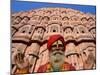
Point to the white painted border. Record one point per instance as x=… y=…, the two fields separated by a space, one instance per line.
x=5 y=43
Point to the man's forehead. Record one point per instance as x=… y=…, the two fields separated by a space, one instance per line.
x=57 y=42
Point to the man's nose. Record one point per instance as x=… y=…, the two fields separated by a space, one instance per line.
x=57 y=46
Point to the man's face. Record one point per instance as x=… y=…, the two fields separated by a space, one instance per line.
x=57 y=54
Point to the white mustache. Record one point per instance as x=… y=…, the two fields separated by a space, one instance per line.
x=58 y=53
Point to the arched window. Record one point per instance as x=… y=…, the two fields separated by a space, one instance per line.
x=48 y=12
x=54 y=29
x=46 y=18
x=64 y=12
x=39 y=30
x=74 y=18
x=76 y=30
x=68 y=30
x=36 y=17
x=26 y=18
x=24 y=29
x=90 y=19
x=31 y=29
x=93 y=31
x=65 y=18
x=84 y=19
x=82 y=29
x=55 y=17
x=17 y=20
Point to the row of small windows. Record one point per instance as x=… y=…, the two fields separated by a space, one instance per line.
x=76 y=30
x=54 y=29
x=18 y=19
x=29 y=30
x=87 y=19
x=26 y=30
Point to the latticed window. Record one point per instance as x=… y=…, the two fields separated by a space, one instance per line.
x=90 y=19
x=76 y=30
x=46 y=18
x=36 y=17
x=74 y=18
x=82 y=29
x=17 y=20
x=26 y=19
x=54 y=29
x=25 y=29
x=68 y=30
x=84 y=19
x=93 y=31
x=40 y=30
x=65 y=18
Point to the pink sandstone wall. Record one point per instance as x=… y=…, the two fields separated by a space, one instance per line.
x=31 y=30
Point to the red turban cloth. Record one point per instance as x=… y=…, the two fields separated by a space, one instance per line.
x=53 y=39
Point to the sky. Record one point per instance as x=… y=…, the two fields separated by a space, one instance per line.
x=17 y=6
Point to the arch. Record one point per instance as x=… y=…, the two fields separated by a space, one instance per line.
x=24 y=29
x=88 y=47
x=25 y=20
x=40 y=29
x=76 y=30
x=46 y=18
x=18 y=17
x=65 y=18
x=65 y=12
x=17 y=20
x=68 y=29
x=26 y=17
x=93 y=30
x=90 y=18
x=74 y=18
x=82 y=29
x=84 y=18
x=54 y=27
x=55 y=17
x=48 y=11
x=36 y=17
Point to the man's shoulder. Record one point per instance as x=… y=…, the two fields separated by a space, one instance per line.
x=43 y=68
x=69 y=66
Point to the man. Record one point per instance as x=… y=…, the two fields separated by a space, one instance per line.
x=22 y=63
x=56 y=47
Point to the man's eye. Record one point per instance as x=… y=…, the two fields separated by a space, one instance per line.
x=53 y=46
x=60 y=45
